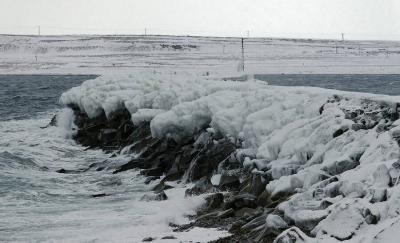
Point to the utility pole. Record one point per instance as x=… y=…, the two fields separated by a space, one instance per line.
x=39 y=30
x=243 y=54
x=343 y=37
x=359 y=50
x=336 y=47
x=145 y=31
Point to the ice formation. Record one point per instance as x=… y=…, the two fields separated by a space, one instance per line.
x=334 y=154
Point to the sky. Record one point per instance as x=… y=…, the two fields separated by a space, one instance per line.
x=357 y=19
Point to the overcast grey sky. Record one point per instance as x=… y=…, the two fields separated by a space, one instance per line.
x=358 y=19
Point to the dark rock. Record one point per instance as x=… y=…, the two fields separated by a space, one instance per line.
x=174 y=173
x=133 y=164
x=229 y=182
x=108 y=135
x=150 y=179
x=156 y=171
x=256 y=185
x=264 y=198
x=236 y=226
x=202 y=186
x=169 y=237
x=371 y=219
x=214 y=201
x=321 y=109
x=52 y=123
x=208 y=159
x=256 y=222
x=338 y=132
x=160 y=196
x=63 y=171
x=148 y=239
x=99 y=195
x=242 y=200
x=161 y=187
x=226 y=214
x=245 y=212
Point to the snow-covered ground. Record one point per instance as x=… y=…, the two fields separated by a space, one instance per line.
x=127 y=54
x=336 y=152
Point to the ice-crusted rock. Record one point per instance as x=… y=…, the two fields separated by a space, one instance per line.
x=228 y=182
x=352 y=189
x=200 y=187
x=293 y=235
x=341 y=165
x=394 y=202
x=308 y=219
x=313 y=148
x=342 y=223
x=381 y=176
x=275 y=222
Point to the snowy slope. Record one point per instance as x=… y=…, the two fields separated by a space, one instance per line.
x=105 y=54
x=335 y=153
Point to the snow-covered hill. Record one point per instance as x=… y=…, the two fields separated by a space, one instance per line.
x=201 y=55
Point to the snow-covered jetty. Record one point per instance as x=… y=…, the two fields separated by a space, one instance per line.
x=283 y=164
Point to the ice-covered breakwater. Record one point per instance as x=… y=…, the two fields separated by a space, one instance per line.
x=301 y=164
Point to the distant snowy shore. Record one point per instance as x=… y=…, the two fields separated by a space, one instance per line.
x=126 y=54
x=327 y=161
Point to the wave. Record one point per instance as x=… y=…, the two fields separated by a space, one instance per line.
x=10 y=160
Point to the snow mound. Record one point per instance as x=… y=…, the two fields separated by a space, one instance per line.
x=332 y=153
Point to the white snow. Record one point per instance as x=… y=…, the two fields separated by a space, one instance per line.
x=281 y=131
x=200 y=55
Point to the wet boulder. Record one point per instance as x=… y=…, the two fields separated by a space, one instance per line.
x=242 y=200
x=161 y=186
x=229 y=182
x=255 y=185
x=202 y=186
x=292 y=235
x=160 y=196
x=214 y=201
x=155 y=171
x=208 y=158
x=148 y=239
x=107 y=135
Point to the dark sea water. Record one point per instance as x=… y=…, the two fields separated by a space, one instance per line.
x=23 y=96
x=388 y=84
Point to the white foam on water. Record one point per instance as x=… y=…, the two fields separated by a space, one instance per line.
x=39 y=204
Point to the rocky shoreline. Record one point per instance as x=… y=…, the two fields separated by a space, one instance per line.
x=236 y=195
x=236 y=198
